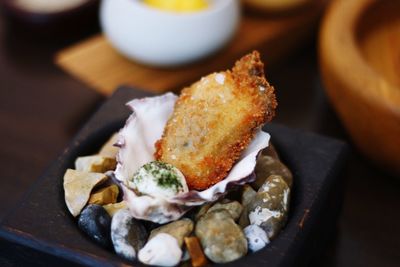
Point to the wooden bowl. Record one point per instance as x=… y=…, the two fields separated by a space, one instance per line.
x=276 y=6
x=360 y=64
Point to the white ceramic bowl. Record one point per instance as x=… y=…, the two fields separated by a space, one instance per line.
x=164 y=38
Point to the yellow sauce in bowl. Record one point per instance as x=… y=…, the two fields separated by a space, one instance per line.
x=178 y=5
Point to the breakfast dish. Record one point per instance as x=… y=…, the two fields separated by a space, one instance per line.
x=188 y=167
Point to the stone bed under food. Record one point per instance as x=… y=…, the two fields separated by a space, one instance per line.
x=244 y=220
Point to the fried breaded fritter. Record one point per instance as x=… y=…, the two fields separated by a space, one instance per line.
x=215 y=119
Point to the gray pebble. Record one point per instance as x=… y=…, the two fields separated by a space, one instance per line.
x=248 y=195
x=128 y=234
x=221 y=238
x=178 y=229
x=269 y=208
x=233 y=207
x=271 y=151
x=267 y=166
x=202 y=210
x=95 y=222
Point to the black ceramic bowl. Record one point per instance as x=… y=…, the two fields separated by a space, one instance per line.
x=41 y=231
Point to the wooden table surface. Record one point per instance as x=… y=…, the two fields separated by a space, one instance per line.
x=41 y=108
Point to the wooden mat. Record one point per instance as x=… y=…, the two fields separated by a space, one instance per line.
x=96 y=63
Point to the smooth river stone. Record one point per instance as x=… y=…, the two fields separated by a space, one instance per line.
x=178 y=229
x=248 y=195
x=104 y=196
x=233 y=207
x=95 y=163
x=221 y=238
x=270 y=206
x=161 y=250
x=270 y=151
x=95 y=222
x=115 y=207
x=267 y=166
x=256 y=237
x=128 y=235
x=77 y=188
x=202 y=210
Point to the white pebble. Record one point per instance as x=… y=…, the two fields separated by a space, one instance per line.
x=161 y=250
x=119 y=234
x=256 y=237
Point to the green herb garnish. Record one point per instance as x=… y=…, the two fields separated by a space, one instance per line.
x=164 y=174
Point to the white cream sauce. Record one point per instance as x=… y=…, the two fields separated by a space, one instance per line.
x=146 y=182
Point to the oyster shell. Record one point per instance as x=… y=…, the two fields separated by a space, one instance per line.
x=136 y=141
x=108 y=150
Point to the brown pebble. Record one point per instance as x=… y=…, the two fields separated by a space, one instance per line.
x=106 y=195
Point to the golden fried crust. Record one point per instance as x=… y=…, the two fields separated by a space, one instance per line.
x=215 y=119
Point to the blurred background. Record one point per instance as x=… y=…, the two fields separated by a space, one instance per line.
x=335 y=65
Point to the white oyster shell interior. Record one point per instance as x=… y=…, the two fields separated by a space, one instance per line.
x=136 y=141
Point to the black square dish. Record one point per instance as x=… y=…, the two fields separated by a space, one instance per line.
x=40 y=231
